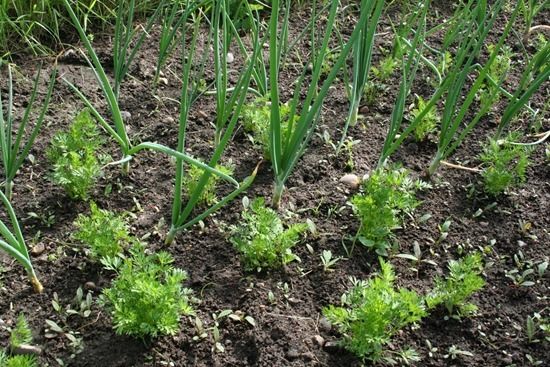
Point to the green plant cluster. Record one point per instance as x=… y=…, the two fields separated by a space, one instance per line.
x=38 y=26
x=23 y=360
x=385 y=68
x=21 y=333
x=373 y=311
x=462 y=282
x=73 y=155
x=256 y=117
x=428 y=123
x=498 y=70
x=147 y=298
x=505 y=164
x=208 y=195
x=378 y=80
x=388 y=194
x=104 y=232
x=262 y=239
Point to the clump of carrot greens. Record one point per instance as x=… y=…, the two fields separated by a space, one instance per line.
x=428 y=123
x=388 y=195
x=147 y=298
x=505 y=163
x=208 y=195
x=373 y=311
x=262 y=238
x=21 y=332
x=255 y=118
x=73 y=155
x=460 y=284
x=105 y=233
x=20 y=360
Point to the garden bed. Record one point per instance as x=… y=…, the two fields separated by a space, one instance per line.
x=288 y=328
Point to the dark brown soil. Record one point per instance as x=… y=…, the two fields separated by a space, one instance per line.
x=286 y=327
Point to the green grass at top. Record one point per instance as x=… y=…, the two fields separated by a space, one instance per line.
x=37 y=27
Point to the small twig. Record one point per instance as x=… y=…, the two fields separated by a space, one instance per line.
x=457 y=166
x=289 y=316
x=90 y=323
x=542 y=27
x=543 y=137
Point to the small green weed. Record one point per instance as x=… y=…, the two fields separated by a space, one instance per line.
x=255 y=118
x=147 y=298
x=371 y=92
x=73 y=155
x=194 y=174
x=385 y=68
x=20 y=361
x=445 y=63
x=428 y=123
x=21 y=333
x=262 y=239
x=328 y=62
x=505 y=164
x=497 y=72
x=462 y=282
x=373 y=311
x=389 y=193
x=104 y=232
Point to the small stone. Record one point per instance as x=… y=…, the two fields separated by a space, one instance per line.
x=169 y=120
x=230 y=58
x=293 y=300
x=332 y=345
x=38 y=249
x=319 y=340
x=364 y=110
x=90 y=286
x=126 y=116
x=293 y=354
x=351 y=180
x=324 y=324
x=163 y=81
x=70 y=53
x=27 y=349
